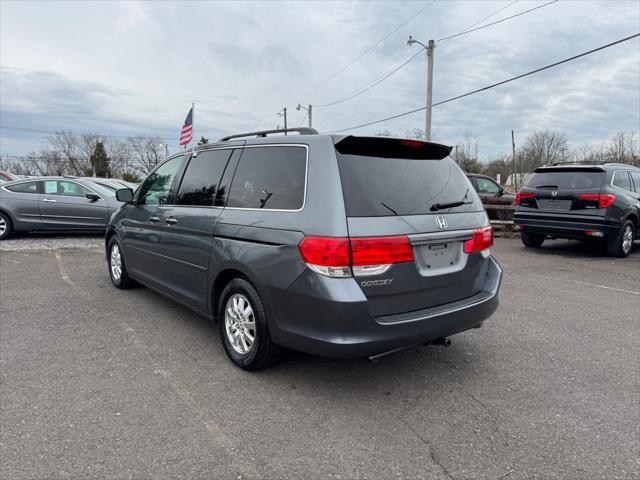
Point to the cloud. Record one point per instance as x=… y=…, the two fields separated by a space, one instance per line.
x=137 y=66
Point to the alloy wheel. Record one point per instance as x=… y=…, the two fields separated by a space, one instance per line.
x=627 y=239
x=3 y=226
x=240 y=323
x=116 y=262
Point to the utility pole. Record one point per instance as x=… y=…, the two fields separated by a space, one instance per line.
x=515 y=173
x=430 y=50
x=309 y=112
x=283 y=113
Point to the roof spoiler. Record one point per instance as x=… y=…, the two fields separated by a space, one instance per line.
x=387 y=147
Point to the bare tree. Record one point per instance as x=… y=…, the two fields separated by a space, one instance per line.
x=543 y=147
x=466 y=153
x=145 y=153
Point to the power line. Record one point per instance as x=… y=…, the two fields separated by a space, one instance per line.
x=492 y=85
x=469 y=29
x=362 y=90
x=338 y=72
x=495 y=23
x=487 y=17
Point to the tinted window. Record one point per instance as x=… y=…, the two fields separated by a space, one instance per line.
x=566 y=180
x=270 y=177
x=636 y=180
x=27 y=187
x=487 y=186
x=622 y=180
x=200 y=182
x=156 y=189
x=375 y=186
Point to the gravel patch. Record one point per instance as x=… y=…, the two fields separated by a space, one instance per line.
x=48 y=241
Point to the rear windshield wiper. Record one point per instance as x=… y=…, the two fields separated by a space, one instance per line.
x=554 y=187
x=388 y=208
x=443 y=206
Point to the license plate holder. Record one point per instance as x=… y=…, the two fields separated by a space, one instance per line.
x=433 y=258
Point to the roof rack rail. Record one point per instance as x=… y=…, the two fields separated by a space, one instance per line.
x=264 y=133
x=576 y=162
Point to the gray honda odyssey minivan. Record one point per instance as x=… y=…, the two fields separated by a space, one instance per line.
x=340 y=246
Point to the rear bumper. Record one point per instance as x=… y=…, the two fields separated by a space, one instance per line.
x=565 y=226
x=330 y=317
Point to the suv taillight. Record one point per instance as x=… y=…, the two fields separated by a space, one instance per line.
x=481 y=242
x=523 y=196
x=340 y=257
x=604 y=200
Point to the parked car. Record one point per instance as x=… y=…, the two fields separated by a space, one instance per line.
x=492 y=194
x=54 y=203
x=581 y=202
x=7 y=177
x=339 y=246
x=112 y=184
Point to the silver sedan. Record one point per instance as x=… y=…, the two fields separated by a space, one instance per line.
x=55 y=204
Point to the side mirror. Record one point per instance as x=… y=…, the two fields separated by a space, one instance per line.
x=501 y=192
x=124 y=195
x=92 y=196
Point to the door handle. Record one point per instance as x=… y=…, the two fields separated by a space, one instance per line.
x=171 y=221
x=49 y=200
x=154 y=219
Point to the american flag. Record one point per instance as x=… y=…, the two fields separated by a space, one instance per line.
x=187 y=129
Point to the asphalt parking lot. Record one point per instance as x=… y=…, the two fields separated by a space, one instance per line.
x=102 y=383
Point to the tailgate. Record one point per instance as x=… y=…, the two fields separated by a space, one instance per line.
x=407 y=188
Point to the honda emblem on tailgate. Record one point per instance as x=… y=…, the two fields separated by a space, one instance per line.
x=554 y=194
x=441 y=223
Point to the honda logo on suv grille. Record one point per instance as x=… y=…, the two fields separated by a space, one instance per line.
x=441 y=223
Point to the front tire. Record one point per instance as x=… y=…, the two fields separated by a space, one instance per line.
x=623 y=243
x=244 y=331
x=6 y=227
x=532 y=241
x=117 y=266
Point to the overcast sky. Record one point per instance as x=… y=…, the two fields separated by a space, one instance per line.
x=124 y=68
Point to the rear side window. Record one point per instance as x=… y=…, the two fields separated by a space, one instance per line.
x=27 y=187
x=270 y=177
x=621 y=179
x=384 y=186
x=200 y=182
x=567 y=180
x=635 y=176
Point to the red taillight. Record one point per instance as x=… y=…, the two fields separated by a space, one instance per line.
x=523 y=195
x=380 y=251
x=335 y=256
x=482 y=240
x=325 y=251
x=604 y=200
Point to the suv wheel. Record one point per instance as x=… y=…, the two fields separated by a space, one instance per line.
x=243 y=327
x=532 y=241
x=117 y=267
x=5 y=226
x=623 y=243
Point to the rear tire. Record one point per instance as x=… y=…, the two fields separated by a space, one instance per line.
x=532 y=241
x=117 y=266
x=622 y=245
x=243 y=325
x=6 y=227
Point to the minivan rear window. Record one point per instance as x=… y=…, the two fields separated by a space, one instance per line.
x=379 y=186
x=566 y=180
